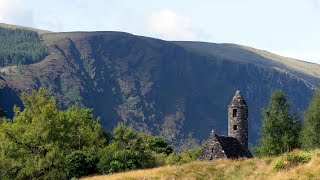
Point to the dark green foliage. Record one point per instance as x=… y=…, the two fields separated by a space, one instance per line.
x=34 y=144
x=20 y=46
x=80 y=163
x=132 y=150
x=280 y=129
x=2 y=114
x=310 y=134
x=44 y=142
x=159 y=145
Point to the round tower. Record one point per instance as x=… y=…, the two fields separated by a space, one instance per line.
x=238 y=119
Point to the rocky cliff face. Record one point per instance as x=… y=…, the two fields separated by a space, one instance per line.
x=157 y=86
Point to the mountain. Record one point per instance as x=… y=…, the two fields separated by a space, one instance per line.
x=179 y=90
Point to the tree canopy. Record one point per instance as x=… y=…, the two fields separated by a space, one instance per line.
x=310 y=134
x=34 y=143
x=44 y=142
x=280 y=128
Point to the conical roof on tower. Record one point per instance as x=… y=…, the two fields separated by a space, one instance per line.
x=237 y=100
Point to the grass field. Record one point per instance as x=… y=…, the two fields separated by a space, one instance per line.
x=295 y=165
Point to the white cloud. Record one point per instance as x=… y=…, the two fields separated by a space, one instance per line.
x=15 y=12
x=49 y=22
x=169 y=25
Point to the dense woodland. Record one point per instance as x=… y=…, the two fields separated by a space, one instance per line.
x=20 y=46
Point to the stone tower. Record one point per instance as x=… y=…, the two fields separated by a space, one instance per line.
x=238 y=119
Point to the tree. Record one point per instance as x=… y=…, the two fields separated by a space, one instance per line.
x=131 y=150
x=280 y=128
x=157 y=144
x=34 y=144
x=310 y=134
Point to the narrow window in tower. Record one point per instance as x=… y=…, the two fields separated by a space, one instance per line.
x=212 y=150
x=235 y=127
x=234 y=114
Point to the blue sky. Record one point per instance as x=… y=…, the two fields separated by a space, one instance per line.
x=287 y=27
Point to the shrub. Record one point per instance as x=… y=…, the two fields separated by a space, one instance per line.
x=279 y=164
x=80 y=163
x=291 y=160
x=295 y=159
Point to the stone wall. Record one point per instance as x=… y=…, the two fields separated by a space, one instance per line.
x=238 y=122
x=212 y=149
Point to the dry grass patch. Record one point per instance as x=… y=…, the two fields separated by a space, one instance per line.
x=248 y=169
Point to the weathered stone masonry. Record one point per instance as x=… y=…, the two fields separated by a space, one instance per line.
x=235 y=145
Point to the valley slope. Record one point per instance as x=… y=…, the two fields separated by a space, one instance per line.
x=179 y=90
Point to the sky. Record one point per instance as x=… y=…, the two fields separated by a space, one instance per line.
x=286 y=27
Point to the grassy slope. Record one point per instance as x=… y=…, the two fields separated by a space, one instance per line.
x=3 y=25
x=245 y=54
x=298 y=65
x=255 y=168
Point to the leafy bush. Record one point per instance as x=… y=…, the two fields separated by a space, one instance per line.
x=184 y=157
x=279 y=164
x=132 y=150
x=295 y=159
x=291 y=160
x=80 y=163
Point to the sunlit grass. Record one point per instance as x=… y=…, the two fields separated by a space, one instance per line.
x=255 y=168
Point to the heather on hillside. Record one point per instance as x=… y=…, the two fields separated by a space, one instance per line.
x=20 y=46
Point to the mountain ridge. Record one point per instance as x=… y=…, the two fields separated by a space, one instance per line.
x=157 y=86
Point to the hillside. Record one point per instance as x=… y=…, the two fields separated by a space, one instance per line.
x=246 y=54
x=9 y=26
x=296 y=165
x=179 y=90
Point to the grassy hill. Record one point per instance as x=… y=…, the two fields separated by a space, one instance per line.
x=295 y=165
x=179 y=90
x=9 y=26
x=245 y=54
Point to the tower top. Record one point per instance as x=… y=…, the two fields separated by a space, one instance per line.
x=237 y=100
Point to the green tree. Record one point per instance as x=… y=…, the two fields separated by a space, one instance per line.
x=280 y=128
x=34 y=144
x=310 y=134
x=157 y=144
